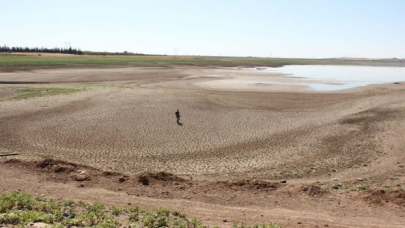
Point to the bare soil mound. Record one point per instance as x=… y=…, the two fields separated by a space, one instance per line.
x=248 y=184
x=313 y=190
x=13 y=161
x=56 y=166
x=219 y=200
x=378 y=196
x=149 y=178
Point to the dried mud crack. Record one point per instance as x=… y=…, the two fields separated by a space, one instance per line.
x=339 y=154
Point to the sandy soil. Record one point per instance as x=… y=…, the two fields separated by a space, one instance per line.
x=231 y=131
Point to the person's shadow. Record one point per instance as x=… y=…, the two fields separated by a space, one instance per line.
x=180 y=124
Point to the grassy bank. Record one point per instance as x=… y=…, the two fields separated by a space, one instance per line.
x=25 y=92
x=12 y=62
x=20 y=209
x=29 y=92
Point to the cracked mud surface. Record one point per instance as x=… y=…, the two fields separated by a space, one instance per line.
x=124 y=122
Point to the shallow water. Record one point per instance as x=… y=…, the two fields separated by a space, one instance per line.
x=328 y=78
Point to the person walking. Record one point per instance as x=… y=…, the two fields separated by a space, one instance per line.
x=178 y=117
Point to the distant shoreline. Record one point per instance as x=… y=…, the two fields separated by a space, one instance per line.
x=10 y=62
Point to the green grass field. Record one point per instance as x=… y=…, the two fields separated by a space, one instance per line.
x=12 y=62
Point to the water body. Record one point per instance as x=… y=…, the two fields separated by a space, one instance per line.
x=328 y=78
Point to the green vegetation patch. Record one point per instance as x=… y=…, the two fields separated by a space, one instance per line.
x=30 y=92
x=263 y=225
x=19 y=208
x=4 y=151
x=363 y=187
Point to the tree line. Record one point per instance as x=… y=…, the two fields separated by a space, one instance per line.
x=69 y=50
x=110 y=53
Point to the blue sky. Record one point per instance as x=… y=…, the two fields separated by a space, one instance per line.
x=282 y=28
